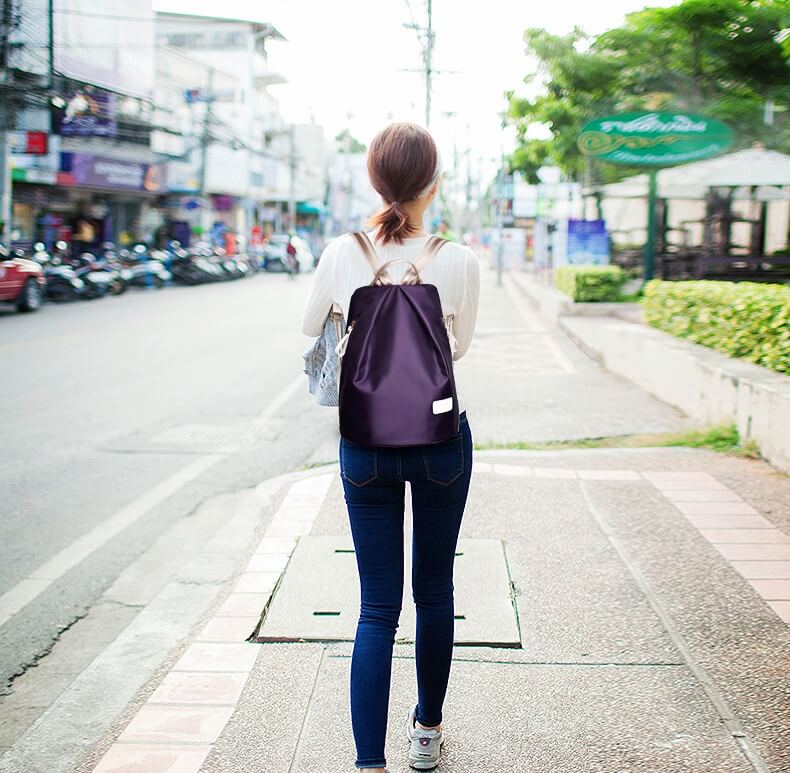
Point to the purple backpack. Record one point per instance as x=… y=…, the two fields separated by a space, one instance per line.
x=397 y=386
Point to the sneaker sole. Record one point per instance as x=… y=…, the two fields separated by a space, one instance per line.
x=423 y=765
x=417 y=764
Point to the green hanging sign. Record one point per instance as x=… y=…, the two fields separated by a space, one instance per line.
x=654 y=139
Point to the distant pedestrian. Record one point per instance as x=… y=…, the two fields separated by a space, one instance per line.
x=291 y=259
x=445 y=232
x=404 y=167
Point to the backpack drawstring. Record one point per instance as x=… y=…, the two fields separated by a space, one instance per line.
x=448 y=323
x=342 y=344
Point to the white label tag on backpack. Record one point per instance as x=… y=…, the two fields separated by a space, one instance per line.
x=443 y=406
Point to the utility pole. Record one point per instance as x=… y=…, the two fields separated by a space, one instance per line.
x=427 y=37
x=6 y=27
x=204 y=136
x=467 y=219
x=51 y=43
x=500 y=223
x=429 y=66
x=349 y=177
x=292 y=179
x=205 y=141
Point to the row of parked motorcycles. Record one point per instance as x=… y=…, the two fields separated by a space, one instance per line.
x=108 y=271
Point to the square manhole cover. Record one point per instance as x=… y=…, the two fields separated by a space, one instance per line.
x=205 y=434
x=196 y=437
x=318 y=597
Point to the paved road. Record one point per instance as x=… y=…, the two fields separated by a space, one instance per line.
x=122 y=417
x=104 y=401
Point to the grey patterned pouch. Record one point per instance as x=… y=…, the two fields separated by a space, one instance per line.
x=321 y=361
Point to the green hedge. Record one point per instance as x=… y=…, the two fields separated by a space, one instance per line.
x=590 y=283
x=742 y=319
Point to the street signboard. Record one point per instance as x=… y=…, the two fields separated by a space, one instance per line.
x=654 y=139
x=29 y=143
x=588 y=242
x=191 y=96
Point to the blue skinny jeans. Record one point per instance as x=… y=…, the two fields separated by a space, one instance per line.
x=373 y=481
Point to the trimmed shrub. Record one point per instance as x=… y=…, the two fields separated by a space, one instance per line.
x=590 y=283
x=742 y=319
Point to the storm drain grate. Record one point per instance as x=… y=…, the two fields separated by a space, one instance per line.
x=318 y=596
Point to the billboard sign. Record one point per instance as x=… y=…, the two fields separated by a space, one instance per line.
x=654 y=139
x=88 y=113
x=86 y=170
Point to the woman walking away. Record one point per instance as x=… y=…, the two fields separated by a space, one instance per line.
x=410 y=303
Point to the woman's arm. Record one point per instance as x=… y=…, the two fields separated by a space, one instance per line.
x=465 y=321
x=319 y=301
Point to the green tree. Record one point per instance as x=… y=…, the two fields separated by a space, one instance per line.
x=344 y=139
x=721 y=58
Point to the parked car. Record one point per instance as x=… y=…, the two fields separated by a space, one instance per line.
x=275 y=253
x=21 y=281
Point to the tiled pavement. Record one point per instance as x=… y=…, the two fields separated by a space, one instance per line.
x=641 y=649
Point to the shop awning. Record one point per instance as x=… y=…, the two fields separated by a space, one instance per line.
x=310 y=208
x=743 y=170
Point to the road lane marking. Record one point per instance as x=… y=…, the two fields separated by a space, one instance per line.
x=280 y=400
x=28 y=589
x=31 y=587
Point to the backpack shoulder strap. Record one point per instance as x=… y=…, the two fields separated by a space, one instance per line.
x=363 y=240
x=432 y=246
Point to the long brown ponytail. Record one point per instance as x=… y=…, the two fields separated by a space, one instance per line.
x=402 y=163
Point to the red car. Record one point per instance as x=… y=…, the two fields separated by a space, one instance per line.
x=21 y=282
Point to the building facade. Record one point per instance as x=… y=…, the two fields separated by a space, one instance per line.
x=147 y=127
x=255 y=166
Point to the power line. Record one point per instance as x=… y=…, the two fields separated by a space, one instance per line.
x=411 y=12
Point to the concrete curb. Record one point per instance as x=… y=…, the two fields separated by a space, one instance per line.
x=554 y=304
x=701 y=382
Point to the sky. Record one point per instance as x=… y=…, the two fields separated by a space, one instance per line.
x=347 y=62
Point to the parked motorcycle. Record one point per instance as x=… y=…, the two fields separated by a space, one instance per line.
x=146 y=269
x=109 y=261
x=203 y=255
x=62 y=282
x=189 y=269
x=98 y=281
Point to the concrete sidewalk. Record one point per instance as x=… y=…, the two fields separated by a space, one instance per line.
x=619 y=610
x=651 y=593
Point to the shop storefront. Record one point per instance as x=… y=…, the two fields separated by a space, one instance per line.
x=34 y=170
x=111 y=199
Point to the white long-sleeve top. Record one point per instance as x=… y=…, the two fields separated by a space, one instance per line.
x=454 y=270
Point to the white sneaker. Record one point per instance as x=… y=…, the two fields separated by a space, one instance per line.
x=426 y=745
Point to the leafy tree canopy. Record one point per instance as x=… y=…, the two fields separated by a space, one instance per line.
x=720 y=58
x=344 y=139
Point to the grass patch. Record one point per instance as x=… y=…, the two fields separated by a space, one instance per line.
x=723 y=439
x=316 y=465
